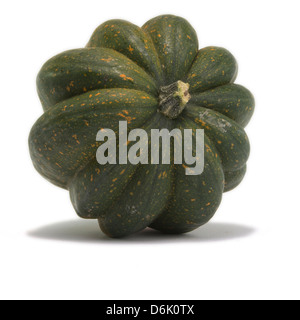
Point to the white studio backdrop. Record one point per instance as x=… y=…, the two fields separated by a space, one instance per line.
x=250 y=250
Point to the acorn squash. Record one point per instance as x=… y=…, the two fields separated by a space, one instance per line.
x=133 y=74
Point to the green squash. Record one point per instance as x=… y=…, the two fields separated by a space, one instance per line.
x=154 y=77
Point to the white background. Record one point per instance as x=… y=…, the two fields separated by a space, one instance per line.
x=250 y=250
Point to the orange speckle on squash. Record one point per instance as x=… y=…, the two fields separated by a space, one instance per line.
x=124 y=77
x=129 y=119
x=200 y=121
x=130 y=49
x=76 y=138
x=107 y=60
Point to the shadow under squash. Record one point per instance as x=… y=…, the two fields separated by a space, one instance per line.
x=88 y=231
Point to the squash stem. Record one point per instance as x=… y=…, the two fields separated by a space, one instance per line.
x=173 y=99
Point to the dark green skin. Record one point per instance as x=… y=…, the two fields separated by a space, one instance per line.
x=75 y=72
x=228 y=137
x=176 y=43
x=131 y=41
x=232 y=100
x=234 y=178
x=194 y=199
x=63 y=140
x=118 y=77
